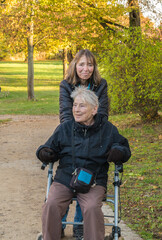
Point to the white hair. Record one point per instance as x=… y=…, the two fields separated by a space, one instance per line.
x=86 y=94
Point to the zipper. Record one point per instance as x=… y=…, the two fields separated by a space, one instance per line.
x=85 y=132
x=75 y=172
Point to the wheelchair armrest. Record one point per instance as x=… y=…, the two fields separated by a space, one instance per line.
x=44 y=165
x=119 y=167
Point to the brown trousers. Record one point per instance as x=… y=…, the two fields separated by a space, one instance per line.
x=57 y=203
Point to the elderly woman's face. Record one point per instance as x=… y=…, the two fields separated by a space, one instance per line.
x=84 y=69
x=83 y=112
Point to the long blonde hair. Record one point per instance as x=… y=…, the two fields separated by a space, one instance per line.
x=72 y=77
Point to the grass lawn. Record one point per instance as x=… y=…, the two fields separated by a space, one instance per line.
x=13 y=83
x=141 y=189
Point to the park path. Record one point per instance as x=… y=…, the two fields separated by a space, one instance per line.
x=23 y=184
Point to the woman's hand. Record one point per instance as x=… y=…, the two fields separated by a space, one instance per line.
x=47 y=155
x=115 y=156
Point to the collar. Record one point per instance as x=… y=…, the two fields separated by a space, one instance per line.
x=95 y=126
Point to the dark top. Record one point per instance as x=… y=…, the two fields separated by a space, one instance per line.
x=66 y=102
x=92 y=144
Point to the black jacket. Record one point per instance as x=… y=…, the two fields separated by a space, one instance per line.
x=92 y=144
x=66 y=102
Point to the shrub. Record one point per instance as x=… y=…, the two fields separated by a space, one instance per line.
x=133 y=74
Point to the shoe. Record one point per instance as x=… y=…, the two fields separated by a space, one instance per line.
x=39 y=236
x=79 y=238
x=110 y=237
x=78 y=232
x=62 y=233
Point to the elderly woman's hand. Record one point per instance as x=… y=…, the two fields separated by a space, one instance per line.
x=46 y=155
x=115 y=156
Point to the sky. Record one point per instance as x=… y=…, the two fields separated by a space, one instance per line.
x=155 y=13
x=150 y=8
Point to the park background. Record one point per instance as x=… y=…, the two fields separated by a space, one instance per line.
x=38 y=41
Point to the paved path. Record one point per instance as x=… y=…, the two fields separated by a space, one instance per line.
x=126 y=232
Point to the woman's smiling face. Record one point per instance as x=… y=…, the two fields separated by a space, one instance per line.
x=84 y=69
x=83 y=111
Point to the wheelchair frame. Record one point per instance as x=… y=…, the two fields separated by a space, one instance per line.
x=114 y=199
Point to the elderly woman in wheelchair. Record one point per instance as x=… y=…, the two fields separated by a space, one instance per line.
x=84 y=147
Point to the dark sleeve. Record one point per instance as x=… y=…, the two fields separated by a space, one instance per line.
x=53 y=143
x=65 y=102
x=121 y=143
x=101 y=92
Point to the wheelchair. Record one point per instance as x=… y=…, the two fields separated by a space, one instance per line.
x=113 y=199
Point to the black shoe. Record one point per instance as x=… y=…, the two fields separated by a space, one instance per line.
x=79 y=238
x=62 y=233
x=78 y=232
x=40 y=237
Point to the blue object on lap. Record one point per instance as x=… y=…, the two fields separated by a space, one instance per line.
x=84 y=177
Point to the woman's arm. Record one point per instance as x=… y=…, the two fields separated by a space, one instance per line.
x=121 y=143
x=65 y=102
x=101 y=92
x=51 y=145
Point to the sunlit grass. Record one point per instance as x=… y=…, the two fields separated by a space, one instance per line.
x=38 y=88
x=45 y=73
x=13 y=83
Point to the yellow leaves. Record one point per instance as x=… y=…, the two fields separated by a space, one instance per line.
x=141 y=178
x=160 y=137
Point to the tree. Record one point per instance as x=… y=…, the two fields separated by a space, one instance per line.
x=145 y=82
x=82 y=25
x=133 y=69
x=24 y=27
x=30 y=56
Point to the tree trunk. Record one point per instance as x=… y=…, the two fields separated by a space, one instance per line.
x=134 y=23
x=134 y=26
x=147 y=110
x=134 y=15
x=30 y=70
x=65 y=62
x=30 y=62
x=69 y=56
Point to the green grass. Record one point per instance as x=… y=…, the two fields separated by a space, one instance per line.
x=2 y=121
x=141 y=189
x=13 y=83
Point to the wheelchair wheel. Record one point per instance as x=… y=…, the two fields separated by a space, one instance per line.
x=39 y=237
x=110 y=237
